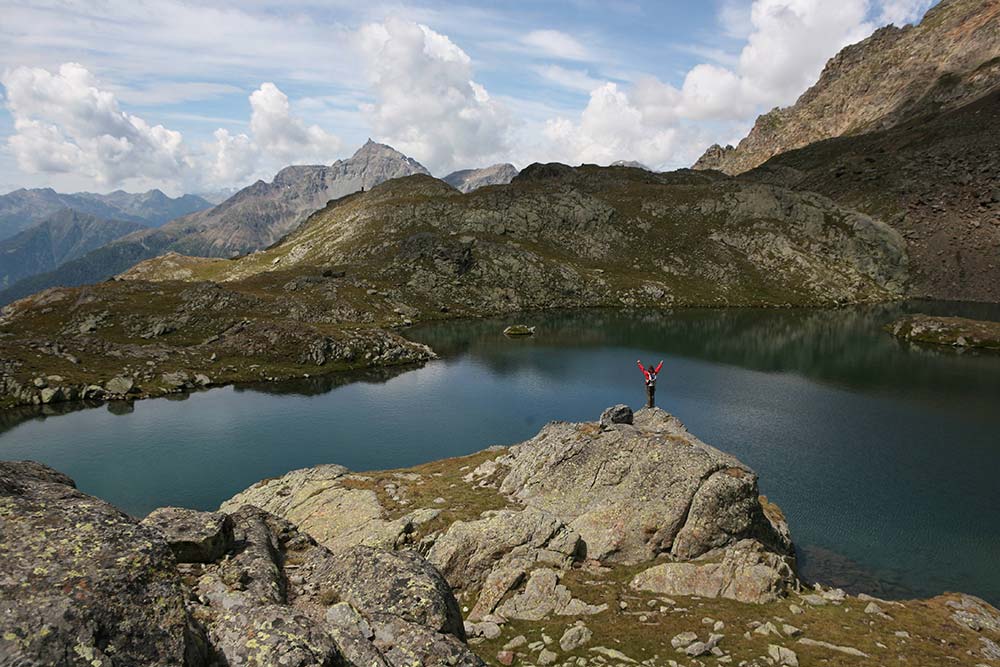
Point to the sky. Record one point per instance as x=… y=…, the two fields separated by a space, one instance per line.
x=99 y=95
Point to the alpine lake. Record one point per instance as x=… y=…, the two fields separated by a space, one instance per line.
x=884 y=456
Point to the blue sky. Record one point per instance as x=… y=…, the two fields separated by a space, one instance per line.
x=197 y=96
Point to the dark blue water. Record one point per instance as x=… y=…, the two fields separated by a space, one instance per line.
x=885 y=457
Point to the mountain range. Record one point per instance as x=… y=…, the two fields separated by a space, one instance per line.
x=901 y=126
x=253 y=218
x=414 y=248
x=23 y=208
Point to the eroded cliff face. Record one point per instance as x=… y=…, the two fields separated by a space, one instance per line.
x=621 y=541
x=898 y=74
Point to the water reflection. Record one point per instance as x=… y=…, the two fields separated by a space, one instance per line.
x=844 y=347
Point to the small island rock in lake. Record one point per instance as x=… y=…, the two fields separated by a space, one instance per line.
x=954 y=331
x=519 y=330
x=617 y=542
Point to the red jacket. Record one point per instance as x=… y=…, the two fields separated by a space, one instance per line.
x=650 y=373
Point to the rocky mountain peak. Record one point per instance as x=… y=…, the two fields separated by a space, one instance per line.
x=951 y=58
x=467 y=180
x=372 y=150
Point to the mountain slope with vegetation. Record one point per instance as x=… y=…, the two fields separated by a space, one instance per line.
x=330 y=296
x=63 y=236
x=950 y=59
x=255 y=217
x=903 y=127
x=936 y=180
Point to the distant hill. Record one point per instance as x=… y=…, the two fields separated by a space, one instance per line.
x=630 y=163
x=63 y=236
x=23 y=208
x=468 y=180
x=254 y=218
x=897 y=74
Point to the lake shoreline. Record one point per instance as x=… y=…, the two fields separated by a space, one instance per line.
x=16 y=393
x=771 y=385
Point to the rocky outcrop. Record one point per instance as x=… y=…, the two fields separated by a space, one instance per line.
x=745 y=572
x=323 y=502
x=896 y=75
x=629 y=490
x=692 y=498
x=470 y=551
x=77 y=578
x=194 y=537
x=975 y=614
x=83 y=583
x=280 y=598
x=958 y=332
x=468 y=180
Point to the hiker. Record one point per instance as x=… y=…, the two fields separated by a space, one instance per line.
x=650 y=375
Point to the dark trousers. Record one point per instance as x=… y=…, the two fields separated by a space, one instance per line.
x=650 y=395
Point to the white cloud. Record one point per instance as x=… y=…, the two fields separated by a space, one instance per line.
x=231 y=159
x=710 y=91
x=283 y=137
x=574 y=79
x=427 y=104
x=556 y=44
x=612 y=127
x=64 y=123
x=792 y=40
x=787 y=44
x=734 y=19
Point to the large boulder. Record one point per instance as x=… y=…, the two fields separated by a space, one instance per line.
x=382 y=583
x=82 y=583
x=636 y=490
x=194 y=537
x=469 y=551
x=281 y=598
x=543 y=596
x=616 y=414
x=319 y=502
x=745 y=572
